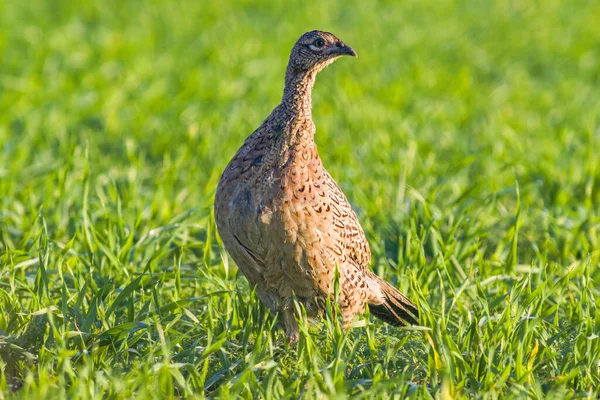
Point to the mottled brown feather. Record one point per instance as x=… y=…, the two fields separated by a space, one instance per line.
x=286 y=222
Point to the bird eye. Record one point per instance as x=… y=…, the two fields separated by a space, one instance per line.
x=319 y=43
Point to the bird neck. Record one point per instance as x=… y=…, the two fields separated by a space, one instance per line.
x=297 y=95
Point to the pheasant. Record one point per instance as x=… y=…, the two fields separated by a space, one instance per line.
x=285 y=221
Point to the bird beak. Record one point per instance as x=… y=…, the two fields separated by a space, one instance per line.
x=344 y=50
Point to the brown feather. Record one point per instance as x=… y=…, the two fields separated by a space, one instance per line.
x=285 y=221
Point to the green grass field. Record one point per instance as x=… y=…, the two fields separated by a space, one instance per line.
x=466 y=135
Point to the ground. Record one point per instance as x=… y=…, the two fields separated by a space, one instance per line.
x=465 y=135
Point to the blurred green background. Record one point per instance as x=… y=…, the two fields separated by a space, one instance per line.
x=465 y=135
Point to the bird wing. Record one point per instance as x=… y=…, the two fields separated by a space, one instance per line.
x=345 y=223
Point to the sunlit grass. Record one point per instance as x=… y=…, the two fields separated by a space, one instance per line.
x=465 y=135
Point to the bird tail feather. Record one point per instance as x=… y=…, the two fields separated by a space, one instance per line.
x=395 y=309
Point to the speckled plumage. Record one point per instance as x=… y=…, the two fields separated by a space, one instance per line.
x=286 y=222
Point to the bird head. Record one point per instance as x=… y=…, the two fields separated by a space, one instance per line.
x=317 y=49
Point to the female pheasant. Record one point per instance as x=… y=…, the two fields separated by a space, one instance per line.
x=285 y=221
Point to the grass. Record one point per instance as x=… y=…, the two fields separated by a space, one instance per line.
x=466 y=136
